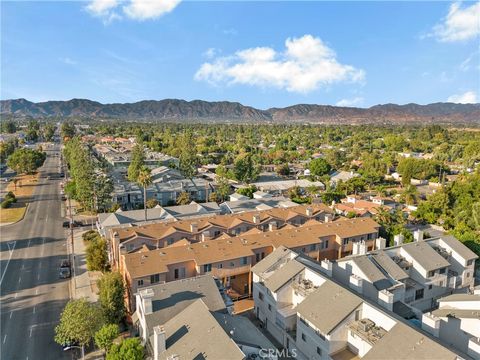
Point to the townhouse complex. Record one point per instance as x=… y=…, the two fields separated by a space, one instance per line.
x=372 y=304
x=226 y=246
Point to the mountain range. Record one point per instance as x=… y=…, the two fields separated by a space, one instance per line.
x=224 y=111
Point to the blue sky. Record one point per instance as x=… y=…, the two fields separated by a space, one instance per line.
x=263 y=54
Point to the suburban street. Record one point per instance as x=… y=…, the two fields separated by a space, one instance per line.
x=31 y=294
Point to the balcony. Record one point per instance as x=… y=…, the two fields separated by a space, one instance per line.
x=227 y=272
x=303 y=287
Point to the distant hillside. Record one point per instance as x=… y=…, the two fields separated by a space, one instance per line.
x=173 y=109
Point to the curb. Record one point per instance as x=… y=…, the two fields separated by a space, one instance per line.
x=16 y=222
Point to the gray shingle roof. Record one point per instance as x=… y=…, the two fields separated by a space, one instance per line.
x=173 y=297
x=459 y=248
x=423 y=253
x=404 y=343
x=270 y=260
x=195 y=334
x=387 y=264
x=368 y=268
x=281 y=276
x=327 y=306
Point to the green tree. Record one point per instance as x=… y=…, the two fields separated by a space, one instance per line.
x=137 y=162
x=183 y=198
x=128 y=349
x=247 y=191
x=245 y=169
x=188 y=155
x=105 y=336
x=144 y=179
x=96 y=254
x=151 y=203
x=48 y=132
x=8 y=127
x=26 y=160
x=319 y=167
x=67 y=130
x=79 y=322
x=111 y=297
x=283 y=169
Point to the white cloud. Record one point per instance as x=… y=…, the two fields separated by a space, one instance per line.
x=350 y=102
x=460 y=24
x=305 y=65
x=68 y=61
x=109 y=10
x=149 y=9
x=470 y=97
x=210 y=53
x=102 y=7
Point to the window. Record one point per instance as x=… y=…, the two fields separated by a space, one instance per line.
x=442 y=271
x=269 y=307
x=312 y=247
x=419 y=294
x=244 y=260
x=182 y=272
x=232 y=264
x=304 y=338
x=469 y=262
x=441 y=283
x=430 y=287
x=260 y=296
x=263 y=254
x=345 y=241
x=431 y=273
x=175 y=273
x=169 y=241
x=219 y=266
x=154 y=278
x=468 y=274
x=207 y=267
x=303 y=250
x=257 y=257
x=369 y=236
x=319 y=351
x=140 y=282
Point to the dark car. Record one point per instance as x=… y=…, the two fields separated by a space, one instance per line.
x=66 y=224
x=75 y=223
x=65 y=271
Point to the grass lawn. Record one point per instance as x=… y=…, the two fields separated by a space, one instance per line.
x=25 y=185
x=13 y=214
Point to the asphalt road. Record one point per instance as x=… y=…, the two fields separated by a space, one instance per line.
x=31 y=294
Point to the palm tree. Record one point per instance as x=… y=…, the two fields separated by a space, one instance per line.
x=144 y=179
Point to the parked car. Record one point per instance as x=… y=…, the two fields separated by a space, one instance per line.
x=65 y=269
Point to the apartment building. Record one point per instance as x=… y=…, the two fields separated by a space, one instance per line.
x=160 y=235
x=314 y=317
x=409 y=277
x=120 y=218
x=231 y=258
x=189 y=318
x=457 y=322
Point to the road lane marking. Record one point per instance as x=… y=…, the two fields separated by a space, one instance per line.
x=34 y=308
x=9 y=258
x=31 y=329
x=11 y=313
x=28 y=245
x=5 y=338
x=19 y=279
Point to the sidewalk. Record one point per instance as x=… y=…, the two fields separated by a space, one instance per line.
x=85 y=282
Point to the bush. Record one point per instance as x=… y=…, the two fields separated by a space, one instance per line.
x=97 y=257
x=11 y=195
x=5 y=204
x=90 y=235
